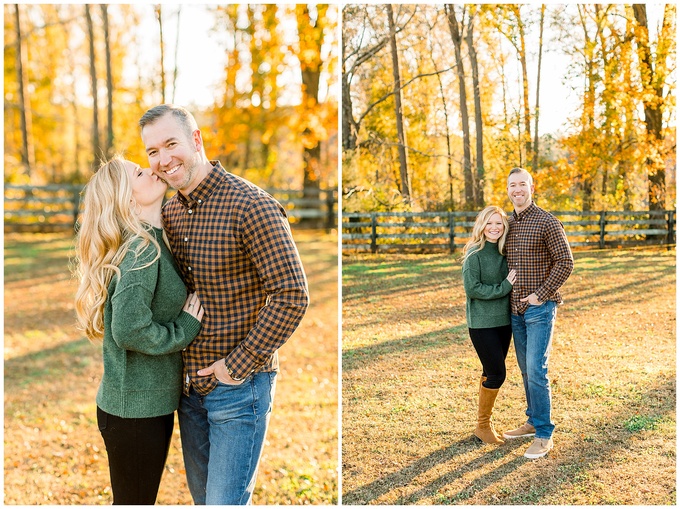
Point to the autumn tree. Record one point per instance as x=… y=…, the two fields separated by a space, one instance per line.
x=534 y=163
x=479 y=125
x=109 y=82
x=25 y=113
x=158 y=11
x=352 y=58
x=456 y=29
x=654 y=71
x=88 y=78
x=510 y=22
x=96 y=145
x=405 y=187
x=595 y=160
x=310 y=34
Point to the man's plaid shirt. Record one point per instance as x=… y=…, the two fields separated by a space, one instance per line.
x=538 y=249
x=233 y=246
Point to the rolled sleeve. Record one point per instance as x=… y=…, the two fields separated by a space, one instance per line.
x=270 y=246
x=561 y=257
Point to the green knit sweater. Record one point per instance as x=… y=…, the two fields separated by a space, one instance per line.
x=487 y=289
x=145 y=331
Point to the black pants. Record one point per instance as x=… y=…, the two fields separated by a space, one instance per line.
x=492 y=348
x=137 y=450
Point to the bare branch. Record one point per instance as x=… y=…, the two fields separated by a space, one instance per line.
x=386 y=96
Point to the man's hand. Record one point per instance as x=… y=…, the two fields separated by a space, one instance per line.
x=219 y=370
x=531 y=299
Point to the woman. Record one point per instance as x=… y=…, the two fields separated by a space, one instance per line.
x=132 y=297
x=487 y=285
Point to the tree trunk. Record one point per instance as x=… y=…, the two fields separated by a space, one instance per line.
x=311 y=39
x=479 y=135
x=96 y=146
x=350 y=125
x=624 y=164
x=175 y=70
x=467 y=166
x=588 y=126
x=27 y=147
x=159 y=16
x=76 y=137
x=525 y=84
x=587 y=138
x=610 y=127
x=349 y=137
x=652 y=101
x=534 y=164
x=403 y=164
x=109 y=83
x=449 y=164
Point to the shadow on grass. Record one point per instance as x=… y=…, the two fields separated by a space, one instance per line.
x=379 y=279
x=637 y=289
x=358 y=357
x=49 y=365
x=597 y=451
x=387 y=278
x=560 y=470
x=403 y=477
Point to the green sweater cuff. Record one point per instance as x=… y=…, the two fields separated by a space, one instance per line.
x=190 y=325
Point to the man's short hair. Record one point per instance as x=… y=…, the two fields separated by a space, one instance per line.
x=517 y=169
x=186 y=120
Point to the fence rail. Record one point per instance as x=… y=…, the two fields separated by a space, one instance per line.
x=57 y=207
x=431 y=231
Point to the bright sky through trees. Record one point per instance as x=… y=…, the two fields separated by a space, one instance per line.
x=558 y=99
x=201 y=53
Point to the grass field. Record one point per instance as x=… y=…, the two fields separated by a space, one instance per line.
x=54 y=453
x=410 y=377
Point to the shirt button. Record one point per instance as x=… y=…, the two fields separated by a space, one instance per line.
x=200 y=201
x=189 y=269
x=186 y=239
x=190 y=211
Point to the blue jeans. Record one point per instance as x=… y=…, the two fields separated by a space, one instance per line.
x=222 y=438
x=533 y=333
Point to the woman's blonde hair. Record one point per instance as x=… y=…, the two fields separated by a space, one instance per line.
x=108 y=228
x=477 y=240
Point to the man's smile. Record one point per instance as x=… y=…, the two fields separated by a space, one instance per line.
x=171 y=171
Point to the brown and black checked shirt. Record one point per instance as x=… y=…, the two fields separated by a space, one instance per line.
x=538 y=249
x=233 y=245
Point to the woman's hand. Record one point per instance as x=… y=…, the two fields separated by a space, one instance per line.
x=193 y=307
x=512 y=276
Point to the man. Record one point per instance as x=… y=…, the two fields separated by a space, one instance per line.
x=233 y=245
x=537 y=248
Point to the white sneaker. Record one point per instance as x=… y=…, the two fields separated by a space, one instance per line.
x=525 y=430
x=539 y=448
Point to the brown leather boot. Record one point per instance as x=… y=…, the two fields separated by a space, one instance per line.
x=484 y=430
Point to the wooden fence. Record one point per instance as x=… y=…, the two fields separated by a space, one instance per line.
x=432 y=231
x=56 y=207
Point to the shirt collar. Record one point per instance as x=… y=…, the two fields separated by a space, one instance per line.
x=205 y=188
x=526 y=212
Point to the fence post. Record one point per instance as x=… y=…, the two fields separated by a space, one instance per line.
x=374 y=247
x=76 y=206
x=452 y=233
x=671 y=227
x=331 y=218
x=603 y=223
